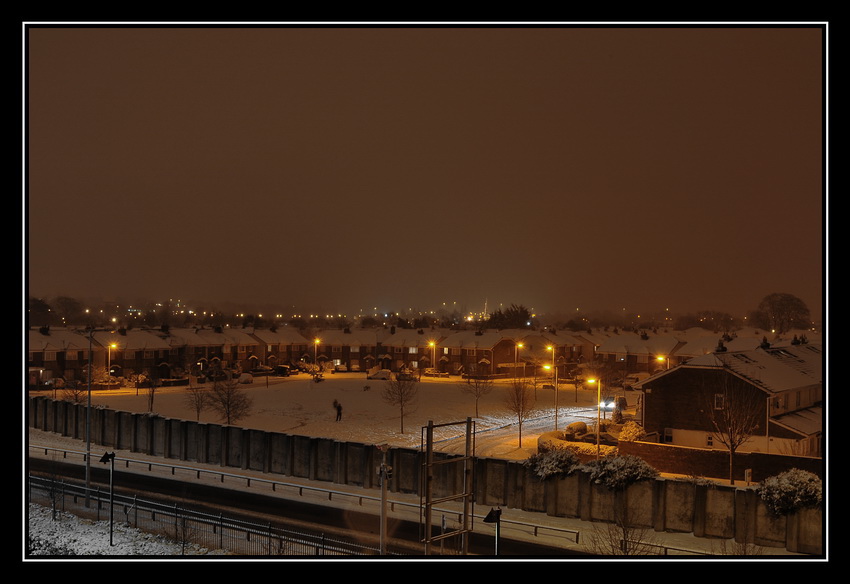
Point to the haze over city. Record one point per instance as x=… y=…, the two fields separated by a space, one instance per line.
x=351 y=168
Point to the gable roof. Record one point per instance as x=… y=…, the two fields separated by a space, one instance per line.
x=772 y=369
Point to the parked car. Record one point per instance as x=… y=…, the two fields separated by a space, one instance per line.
x=380 y=374
x=607 y=404
x=282 y=370
x=246 y=378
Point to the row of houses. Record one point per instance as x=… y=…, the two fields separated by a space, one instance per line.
x=691 y=381
x=169 y=353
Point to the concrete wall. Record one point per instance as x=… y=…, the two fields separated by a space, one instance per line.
x=660 y=504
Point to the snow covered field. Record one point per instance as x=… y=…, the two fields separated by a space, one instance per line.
x=298 y=406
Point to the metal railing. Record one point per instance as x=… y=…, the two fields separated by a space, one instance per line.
x=300 y=489
x=224 y=535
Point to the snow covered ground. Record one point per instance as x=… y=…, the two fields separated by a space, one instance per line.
x=298 y=406
x=69 y=536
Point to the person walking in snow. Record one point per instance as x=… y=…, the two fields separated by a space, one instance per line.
x=338 y=411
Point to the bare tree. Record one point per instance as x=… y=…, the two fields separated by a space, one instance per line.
x=620 y=538
x=401 y=393
x=477 y=387
x=519 y=399
x=198 y=399
x=734 y=410
x=229 y=401
x=76 y=394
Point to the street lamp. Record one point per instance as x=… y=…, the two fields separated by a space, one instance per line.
x=598 y=383
x=433 y=346
x=552 y=348
x=109 y=363
x=88 y=423
x=315 y=356
x=110 y=457
x=516 y=357
x=664 y=359
x=495 y=516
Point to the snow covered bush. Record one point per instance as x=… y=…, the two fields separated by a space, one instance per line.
x=554 y=463
x=618 y=472
x=632 y=432
x=791 y=490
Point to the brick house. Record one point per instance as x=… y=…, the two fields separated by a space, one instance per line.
x=781 y=388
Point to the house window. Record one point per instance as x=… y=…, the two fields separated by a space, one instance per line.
x=470 y=352
x=354 y=349
x=709 y=440
x=397 y=349
x=719 y=401
x=336 y=349
x=71 y=355
x=413 y=350
x=455 y=351
x=50 y=355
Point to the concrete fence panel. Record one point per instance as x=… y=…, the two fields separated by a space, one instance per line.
x=666 y=504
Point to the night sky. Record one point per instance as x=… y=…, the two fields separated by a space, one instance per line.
x=337 y=169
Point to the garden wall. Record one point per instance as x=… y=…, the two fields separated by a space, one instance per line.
x=659 y=504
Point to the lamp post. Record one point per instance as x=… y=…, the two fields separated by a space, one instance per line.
x=598 y=410
x=433 y=346
x=555 y=370
x=667 y=359
x=109 y=361
x=316 y=356
x=110 y=458
x=88 y=423
x=516 y=357
x=494 y=516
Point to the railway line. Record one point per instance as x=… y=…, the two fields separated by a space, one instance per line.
x=317 y=515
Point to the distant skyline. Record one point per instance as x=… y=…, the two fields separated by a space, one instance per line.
x=345 y=168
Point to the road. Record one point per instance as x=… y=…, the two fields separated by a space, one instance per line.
x=505 y=438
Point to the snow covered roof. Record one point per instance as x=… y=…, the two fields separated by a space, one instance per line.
x=356 y=337
x=132 y=340
x=473 y=340
x=772 y=369
x=635 y=344
x=806 y=422
x=408 y=338
x=238 y=337
x=280 y=336
x=57 y=340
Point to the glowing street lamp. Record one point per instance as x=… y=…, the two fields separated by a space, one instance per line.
x=433 y=346
x=598 y=383
x=109 y=361
x=552 y=348
x=667 y=359
x=316 y=353
x=516 y=357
